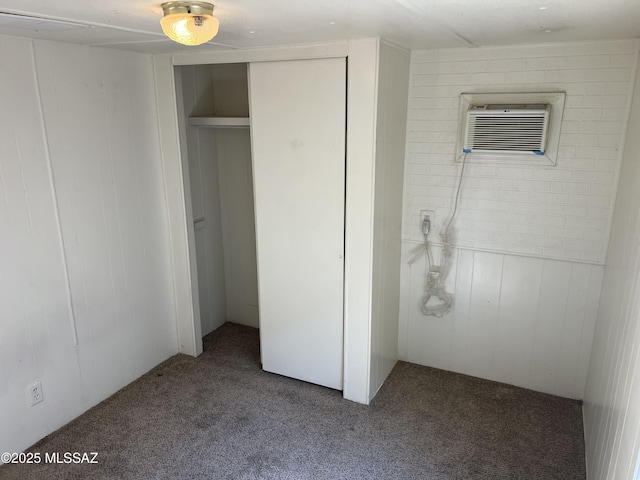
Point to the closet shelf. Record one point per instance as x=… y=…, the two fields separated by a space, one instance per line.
x=219 y=122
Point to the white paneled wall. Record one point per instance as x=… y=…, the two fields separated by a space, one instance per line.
x=80 y=122
x=36 y=331
x=523 y=321
x=612 y=400
x=238 y=225
x=525 y=308
x=552 y=212
x=393 y=84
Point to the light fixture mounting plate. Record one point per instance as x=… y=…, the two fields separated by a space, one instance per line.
x=193 y=8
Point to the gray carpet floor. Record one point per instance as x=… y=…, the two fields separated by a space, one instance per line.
x=219 y=416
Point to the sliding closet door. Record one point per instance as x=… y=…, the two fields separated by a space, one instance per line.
x=298 y=136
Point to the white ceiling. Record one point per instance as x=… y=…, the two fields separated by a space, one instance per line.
x=134 y=24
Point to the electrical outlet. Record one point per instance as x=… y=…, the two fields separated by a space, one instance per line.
x=34 y=393
x=430 y=215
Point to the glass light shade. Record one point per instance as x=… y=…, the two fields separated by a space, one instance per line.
x=190 y=29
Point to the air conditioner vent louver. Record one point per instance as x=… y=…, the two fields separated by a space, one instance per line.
x=507 y=128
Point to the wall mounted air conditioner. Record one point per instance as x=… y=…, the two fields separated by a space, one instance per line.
x=506 y=128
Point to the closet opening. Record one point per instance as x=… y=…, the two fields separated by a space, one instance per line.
x=213 y=113
x=265 y=207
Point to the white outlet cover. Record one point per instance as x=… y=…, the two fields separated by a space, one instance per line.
x=432 y=218
x=34 y=393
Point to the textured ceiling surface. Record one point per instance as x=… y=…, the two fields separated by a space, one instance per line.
x=134 y=24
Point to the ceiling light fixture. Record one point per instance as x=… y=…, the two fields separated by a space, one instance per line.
x=189 y=23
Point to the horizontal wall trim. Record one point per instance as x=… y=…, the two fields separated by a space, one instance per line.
x=515 y=254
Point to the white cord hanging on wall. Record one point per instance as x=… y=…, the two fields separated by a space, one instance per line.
x=436 y=301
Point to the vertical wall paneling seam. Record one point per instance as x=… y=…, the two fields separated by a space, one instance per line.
x=4 y=372
x=405 y=177
x=87 y=394
x=535 y=324
x=166 y=200
x=382 y=146
x=629 y=311
x=28 y=208
x=635 y=366
x=616 y=374
x=388 y=187
x=454 y=318
x=121 y=241
x=471 y=282
x=56 y=208
x=497 y=322
x=602 y=387
x=631 y=373
x=612 y=381
x=344 y=216
x=24 y=185
x=629 y=316
x=153 y=331
x=587 y=455
x=629 y=383
x=106 y=227
x=405 y=348
x=89 y=319
x=615 y=377
x=537 y=317
x=635 y=465
x=468 y=319
x=372 y=180
x=584 y=319
x=564 y=319
x=385 y=254
x=623 y=142
x=405 y=201
x=602 y=420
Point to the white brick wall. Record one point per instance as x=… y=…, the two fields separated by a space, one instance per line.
x=556 y=212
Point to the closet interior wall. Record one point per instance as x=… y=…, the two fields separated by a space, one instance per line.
x=221 y=193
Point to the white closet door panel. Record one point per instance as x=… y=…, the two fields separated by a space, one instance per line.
x=298 y=137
